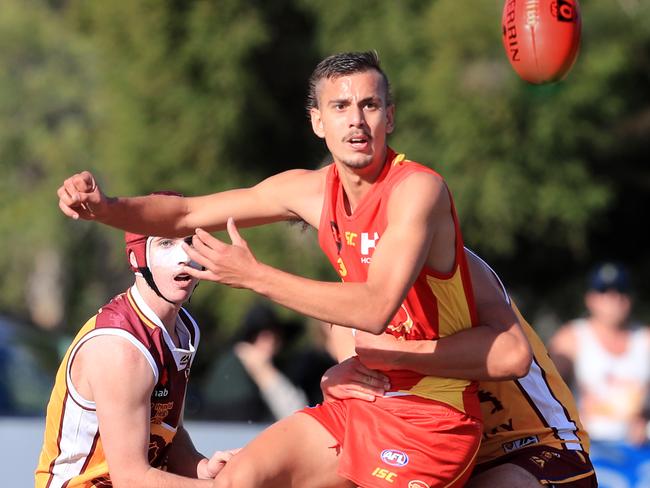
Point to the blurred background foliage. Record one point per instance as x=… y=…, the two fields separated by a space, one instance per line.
x=199 y=96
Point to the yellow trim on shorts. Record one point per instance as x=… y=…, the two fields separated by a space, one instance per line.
x=470 y=464
x=568 y=480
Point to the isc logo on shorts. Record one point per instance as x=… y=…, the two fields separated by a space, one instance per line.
x=394 y=457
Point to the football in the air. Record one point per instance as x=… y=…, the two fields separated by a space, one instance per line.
x=541 y=37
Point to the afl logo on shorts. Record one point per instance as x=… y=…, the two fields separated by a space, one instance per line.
x=417 y=484
x=394 y=457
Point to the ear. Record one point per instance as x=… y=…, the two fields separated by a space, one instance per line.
x=132 y=260
x=317 y=122
x=390 y=118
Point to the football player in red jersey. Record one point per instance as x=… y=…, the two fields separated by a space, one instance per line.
x=389 y=228
x=115 y=416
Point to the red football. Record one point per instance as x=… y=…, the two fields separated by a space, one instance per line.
x=541 y=37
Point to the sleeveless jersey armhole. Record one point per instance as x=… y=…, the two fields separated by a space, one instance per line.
x=74 y=394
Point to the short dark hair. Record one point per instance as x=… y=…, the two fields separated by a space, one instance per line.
x=342 y=64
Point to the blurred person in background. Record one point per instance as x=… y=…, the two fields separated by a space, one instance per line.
x=115 y=416
x=309 y=363
x=246 y=383
x=607 y=356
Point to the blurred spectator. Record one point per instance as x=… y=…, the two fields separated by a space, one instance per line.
x=608 y=357
x=245 y=383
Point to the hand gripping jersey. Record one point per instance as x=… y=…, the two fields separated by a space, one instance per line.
x=436 y=306
x=72 y=453
x=537 y=409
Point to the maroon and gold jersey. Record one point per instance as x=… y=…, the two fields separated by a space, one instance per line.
x=72 y=453
x=537 y=409
x=437 y=304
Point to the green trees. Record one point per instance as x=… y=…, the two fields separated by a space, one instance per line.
x=46 y=131
x=199 y=96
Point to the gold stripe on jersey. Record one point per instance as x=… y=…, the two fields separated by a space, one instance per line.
x=453 y=316
x=66 y=453
x=97 y=464
x=94 y=467
x=60 y=439
x=453 y=309
x=398 y=159
x=162 y=430
x=446 y=390
x=141 y=315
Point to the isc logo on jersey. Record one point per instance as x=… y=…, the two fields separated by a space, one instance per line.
x=394 y=457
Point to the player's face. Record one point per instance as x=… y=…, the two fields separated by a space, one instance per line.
x=166 y=260
x=353 y=118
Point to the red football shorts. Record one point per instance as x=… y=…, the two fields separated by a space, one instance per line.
x=401 y=442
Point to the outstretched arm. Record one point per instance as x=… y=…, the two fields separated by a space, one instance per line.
x=286 y=196
x=417 y=208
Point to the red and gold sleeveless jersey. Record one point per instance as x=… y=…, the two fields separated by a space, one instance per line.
x=436 y=306
x=72 y=453
x=536 y=409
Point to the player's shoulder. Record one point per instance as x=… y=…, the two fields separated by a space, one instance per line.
x=118 y=313
x=111 y=353
x=402 y=169
x=423 y=186
x=401 y=164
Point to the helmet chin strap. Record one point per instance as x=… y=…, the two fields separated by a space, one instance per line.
x=148 y=277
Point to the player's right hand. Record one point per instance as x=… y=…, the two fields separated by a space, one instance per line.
x=80 y=197
x=351 y=379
